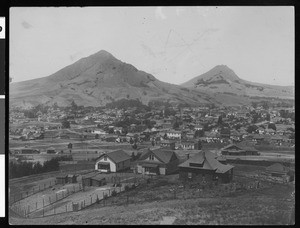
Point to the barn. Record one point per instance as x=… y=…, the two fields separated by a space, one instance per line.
x=114 y=161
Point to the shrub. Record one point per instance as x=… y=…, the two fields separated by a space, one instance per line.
x=113 y=193
x=127 y=187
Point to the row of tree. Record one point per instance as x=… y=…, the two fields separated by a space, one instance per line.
x=28 y=168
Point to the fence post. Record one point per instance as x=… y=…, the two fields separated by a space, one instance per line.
x=44 y=185
x=91 y=200
x=54 y=210
x=55 y=197
x=28 y=209
x=66 y=207
x=36 y=205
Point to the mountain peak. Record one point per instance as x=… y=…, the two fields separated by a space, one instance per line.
x=104 y=53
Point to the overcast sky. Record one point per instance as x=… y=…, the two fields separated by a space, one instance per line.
x=174 y=44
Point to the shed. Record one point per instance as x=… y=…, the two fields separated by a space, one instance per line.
x=62 y=179
x=98 y=181
x=72 y=178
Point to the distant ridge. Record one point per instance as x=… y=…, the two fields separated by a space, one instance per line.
x=101 y=78
x=222 y=79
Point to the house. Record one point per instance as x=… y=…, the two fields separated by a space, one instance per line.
x=167 y=144
x=62 y=179
x=114 y=161
x=157 y=162
x=191 y=145
x=204 y=166
x=174 y=134
x=198 y=127
x=237 y=150
x=190 y=135
x=50 y=150
x=28 y=150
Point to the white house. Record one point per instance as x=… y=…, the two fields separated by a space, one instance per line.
x=113 y=162
x=174 y=134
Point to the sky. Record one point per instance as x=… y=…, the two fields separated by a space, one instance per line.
x=174 y=44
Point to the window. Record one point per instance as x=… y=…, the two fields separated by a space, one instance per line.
x=151 y=157
x=105 y=158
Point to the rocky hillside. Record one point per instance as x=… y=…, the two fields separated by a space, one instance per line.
x=222 y=80
x=96 y=80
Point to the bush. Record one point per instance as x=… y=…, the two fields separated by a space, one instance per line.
x=127 y=188
x=113 y=193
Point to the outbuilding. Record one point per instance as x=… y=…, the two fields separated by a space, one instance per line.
x=62 y=179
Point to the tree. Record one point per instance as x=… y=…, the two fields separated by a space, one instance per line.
x=131 y=140
x=65 y=123
x=254 y=104
x=176 y=125
x=220 y=121
x=252 y=128
x=265 y=105
x=199 y=133
x=268 y=118
x=272 y=126
x=132 y=156
x=134 y=146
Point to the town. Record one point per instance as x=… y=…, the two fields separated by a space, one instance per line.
x=129 y=153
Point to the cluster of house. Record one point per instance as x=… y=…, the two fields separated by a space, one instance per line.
x=205 y=164
x=202 y=166
x=190 y=120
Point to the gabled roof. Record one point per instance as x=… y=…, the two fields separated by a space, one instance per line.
x=209 y=161
x=241 y=147
x=117 y=156
x=98 y=178
x=162 y=155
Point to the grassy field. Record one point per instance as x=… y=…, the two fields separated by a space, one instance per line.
x=268 y=207
x=149 y=203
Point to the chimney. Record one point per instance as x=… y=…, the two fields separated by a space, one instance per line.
x=187 y=155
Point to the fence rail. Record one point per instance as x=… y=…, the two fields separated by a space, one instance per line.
x=18 y=197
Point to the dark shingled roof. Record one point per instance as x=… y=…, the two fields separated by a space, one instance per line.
x=162 y=155
x=209 y=161
x=117 y=156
